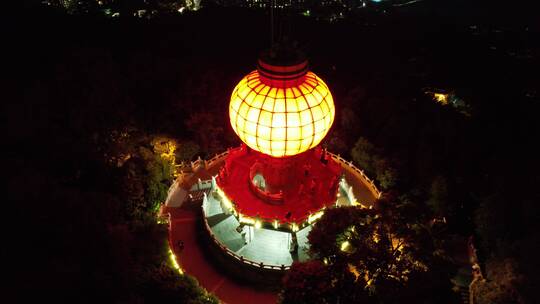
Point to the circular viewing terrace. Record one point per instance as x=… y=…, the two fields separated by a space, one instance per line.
x=270 y=244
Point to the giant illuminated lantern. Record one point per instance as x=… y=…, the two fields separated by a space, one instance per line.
x=266 y=193
x=282 y=112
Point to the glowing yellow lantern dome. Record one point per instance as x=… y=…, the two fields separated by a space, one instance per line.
x=281 y=109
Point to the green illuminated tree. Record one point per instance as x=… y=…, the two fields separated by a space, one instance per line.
x=159 y=174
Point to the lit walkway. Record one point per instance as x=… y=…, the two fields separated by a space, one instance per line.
x=193 y=261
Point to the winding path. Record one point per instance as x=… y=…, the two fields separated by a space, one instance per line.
x=193 y=261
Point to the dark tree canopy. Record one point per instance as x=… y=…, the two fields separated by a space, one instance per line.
x=381 y=255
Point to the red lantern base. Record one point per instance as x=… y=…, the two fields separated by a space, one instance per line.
x=284 y=189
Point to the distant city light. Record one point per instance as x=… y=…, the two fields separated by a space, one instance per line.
x=441 y=98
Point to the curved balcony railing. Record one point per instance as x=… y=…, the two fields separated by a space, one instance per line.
x=357 y=173
x=348 y=165
x=343 y=162
x=202 y=163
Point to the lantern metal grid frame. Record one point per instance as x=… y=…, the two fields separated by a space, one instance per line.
x=281 y=121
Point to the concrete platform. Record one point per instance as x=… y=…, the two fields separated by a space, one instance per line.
x=270 y=247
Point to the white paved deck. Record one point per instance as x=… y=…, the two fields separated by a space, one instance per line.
x=268 y=246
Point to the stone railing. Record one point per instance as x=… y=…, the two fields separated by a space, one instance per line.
x=351 y=168
x=163 y=216
x=239 y=258
x=201 y=185
x=190 y=167
x=357 y=173
x=216 y=159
